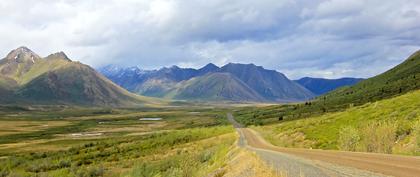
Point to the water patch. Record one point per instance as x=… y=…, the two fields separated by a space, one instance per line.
x=151 y=118
x=85 y=134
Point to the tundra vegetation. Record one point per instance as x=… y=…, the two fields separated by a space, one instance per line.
x=57 y=141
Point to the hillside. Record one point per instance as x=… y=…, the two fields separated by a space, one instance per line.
x=255 y=83
x=321 y=86
x=56 y=79
x=373 y=127
x=399 y=80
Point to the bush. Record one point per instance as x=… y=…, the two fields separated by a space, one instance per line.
x=416 y=133
x=92 y=171
x=379 y=137
x=4 y=172
x=348 y=139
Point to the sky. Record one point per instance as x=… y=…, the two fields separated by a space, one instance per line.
x=317 y=38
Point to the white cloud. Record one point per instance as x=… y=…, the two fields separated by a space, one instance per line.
x=323 y=38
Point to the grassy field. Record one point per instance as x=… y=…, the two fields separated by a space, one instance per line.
x=63 y=141
x=387 y=126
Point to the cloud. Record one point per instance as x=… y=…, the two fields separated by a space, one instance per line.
x=320 y=38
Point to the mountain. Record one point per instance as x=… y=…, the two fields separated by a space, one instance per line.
x=216 y=86
x=55 y=79
x=321 y=86
x=127 y=78
x=253 y=82
x=209 y=68
x=270 y=84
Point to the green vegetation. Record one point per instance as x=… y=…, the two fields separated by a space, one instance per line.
x=109 y=155
x=63 y=141
x=397 y=81
x=348 y=138
x=200 y=160
x=387 y=126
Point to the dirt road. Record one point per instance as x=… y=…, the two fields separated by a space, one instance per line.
x=307 y=162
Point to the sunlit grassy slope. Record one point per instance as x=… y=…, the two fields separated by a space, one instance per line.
x=398 y=118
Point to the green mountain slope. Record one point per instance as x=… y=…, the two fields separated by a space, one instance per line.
x=397 y=81
x=58 y=80
x=216 y=86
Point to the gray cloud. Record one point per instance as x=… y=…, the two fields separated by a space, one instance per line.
x=318 y=38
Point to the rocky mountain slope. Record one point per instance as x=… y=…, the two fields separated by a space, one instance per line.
x=28 y=78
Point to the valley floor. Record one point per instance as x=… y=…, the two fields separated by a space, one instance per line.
x=113 y=142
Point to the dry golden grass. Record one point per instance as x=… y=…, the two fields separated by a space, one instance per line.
x=32 y=146
x=15 y=127
x=247 y=164
x=130 y=128
x=126 y=115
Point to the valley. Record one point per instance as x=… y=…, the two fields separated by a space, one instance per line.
x=59 y=117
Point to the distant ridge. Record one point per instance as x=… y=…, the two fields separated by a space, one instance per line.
x=321 y=86
x=253 y=83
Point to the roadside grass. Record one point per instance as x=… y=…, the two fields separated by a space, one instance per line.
x=157 y=153
x=243 y=162
x=193 y=159
x=387 y=126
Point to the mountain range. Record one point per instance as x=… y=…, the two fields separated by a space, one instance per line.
x=231 y=82
x=28 y=78
x=56 y=79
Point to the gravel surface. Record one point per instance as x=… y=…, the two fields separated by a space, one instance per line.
x=307 y=162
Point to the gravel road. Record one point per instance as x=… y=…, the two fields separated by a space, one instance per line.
x=314 y=163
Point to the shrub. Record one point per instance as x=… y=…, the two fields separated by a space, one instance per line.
x=4 y=172
x=416 y=133
x=348 y=139
x=206 y=156
x=379 y=137
x=144 y=170
x=92 y=171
